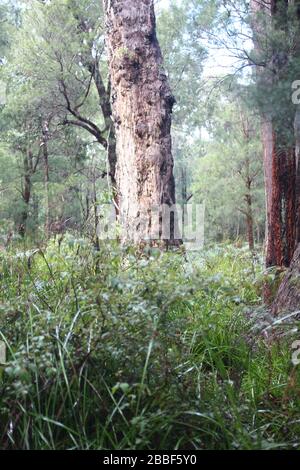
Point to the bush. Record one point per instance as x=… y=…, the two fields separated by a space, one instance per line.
x=123 y=350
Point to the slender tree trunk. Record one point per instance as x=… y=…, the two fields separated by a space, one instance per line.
x=248 y=195
x=297 y=138
x=92 y=64
x=249 y=222
x=45 y=133
x=105 y=105
x=184 y=195
x=35 y=210
x=183 y=185
x=26 y=193
x=237 y=233
x=96 y=214
x=87 y=207
x=142 y=104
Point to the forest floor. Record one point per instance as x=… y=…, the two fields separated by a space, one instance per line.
x=114 y=350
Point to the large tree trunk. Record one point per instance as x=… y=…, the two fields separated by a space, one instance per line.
x=142 y=105
x=280 y=181
x=278 y=144
x=288 y=296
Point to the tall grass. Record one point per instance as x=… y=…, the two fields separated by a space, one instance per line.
x=118 y=350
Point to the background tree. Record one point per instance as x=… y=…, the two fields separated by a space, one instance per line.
x=65 y=63
x=184 y=57
x=228 y=176
x=276 y=32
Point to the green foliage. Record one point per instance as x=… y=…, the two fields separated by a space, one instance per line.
x=277 y=50
x=184 y=55
x=118 y=350
x=230 y=167
x=48 y=77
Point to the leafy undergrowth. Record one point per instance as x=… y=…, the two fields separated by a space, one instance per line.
x=114 y=350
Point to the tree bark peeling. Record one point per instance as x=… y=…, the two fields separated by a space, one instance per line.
x=288 y=297
x=280 y=178
x=142 y=105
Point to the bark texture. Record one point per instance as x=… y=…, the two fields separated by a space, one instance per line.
x=30 y=165
x=248 y=178
x=279 y=147
x=249 y=223
x=280 y=182
x=26 y=192
x=142 y=105
x=45 y=140
x=288 y=296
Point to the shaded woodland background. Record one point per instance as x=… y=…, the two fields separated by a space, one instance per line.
x=54 y=125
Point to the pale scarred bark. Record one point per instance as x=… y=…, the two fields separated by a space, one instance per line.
x=142 y=104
